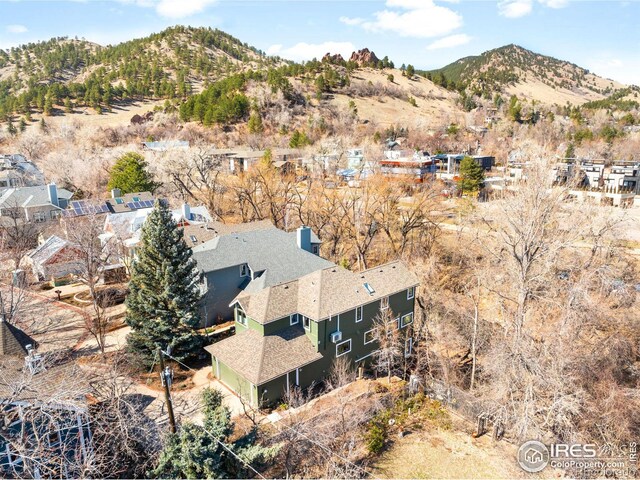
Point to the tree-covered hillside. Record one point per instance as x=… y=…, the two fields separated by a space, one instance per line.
x=494 y=70
x=73 y=72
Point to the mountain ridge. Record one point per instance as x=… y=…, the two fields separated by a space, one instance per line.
x=511 y=68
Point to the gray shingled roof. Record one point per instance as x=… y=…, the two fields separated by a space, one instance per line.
x=59 y=385
x=48 y=249
x=210 y=230
x=271 y=253
x=30 y=196
x=261 y=358
x=13 y=341
x=326 y=292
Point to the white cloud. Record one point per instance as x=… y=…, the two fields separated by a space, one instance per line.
x=450 y=41
x=515 y=8
x=411 y=18
x=16 y=29
x=174 y=8
x=182 y=8
x=554 y=3
x=307 y=51
x=521 y=8
x=351 y=21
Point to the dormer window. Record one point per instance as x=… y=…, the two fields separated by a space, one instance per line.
x=241 y=318
x=293 y=319
x=244 y=270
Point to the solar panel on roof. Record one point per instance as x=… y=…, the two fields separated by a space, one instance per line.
x=130 y=205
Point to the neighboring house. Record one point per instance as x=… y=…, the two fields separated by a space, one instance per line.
x=118 y=203
x=54 y=259
x=44 y=412
x=17 y=171
x=617 y=184
x=289 y=333
x=243 y=160
x=253 y=257
x=195 y=235
x=37 y=204
x=410 y=164
x=449 y=164
x=122 y=227
x=357 y=167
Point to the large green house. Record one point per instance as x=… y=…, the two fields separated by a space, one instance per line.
x=288 y=335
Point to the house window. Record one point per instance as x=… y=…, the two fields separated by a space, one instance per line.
x=369 y=336
x=408 y=347
x=342 y=348
x=241 y=317
x=293 y=319
x=406 y=320
x=411 y=292
x=314 y=249
x=54 y=214
x=359 y=314
x=244 y=271
x=306 y=323
x=384 y=303
x=39 y=217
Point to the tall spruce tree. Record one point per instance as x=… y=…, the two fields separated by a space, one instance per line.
x=162 y=305
x=471 y=176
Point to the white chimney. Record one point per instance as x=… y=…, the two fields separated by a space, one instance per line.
x=303 y=237
x=53 y=194
x=116 y=192
x=186 y=211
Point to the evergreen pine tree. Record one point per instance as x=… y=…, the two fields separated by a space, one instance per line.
x=11 y=128
x=130 y=175
x=196 y=452
x=162 y=304
x=570 y=152
x=255 y=123
x=471 y=176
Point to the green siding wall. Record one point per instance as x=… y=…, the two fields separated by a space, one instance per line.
x=233 y=380
x=319 y=334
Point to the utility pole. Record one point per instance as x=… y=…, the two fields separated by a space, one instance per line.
x=165 y=377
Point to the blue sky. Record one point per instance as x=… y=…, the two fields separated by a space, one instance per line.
x=599 y=35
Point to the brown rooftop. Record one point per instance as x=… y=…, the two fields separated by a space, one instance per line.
x=326 y=292
x=261 y=358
